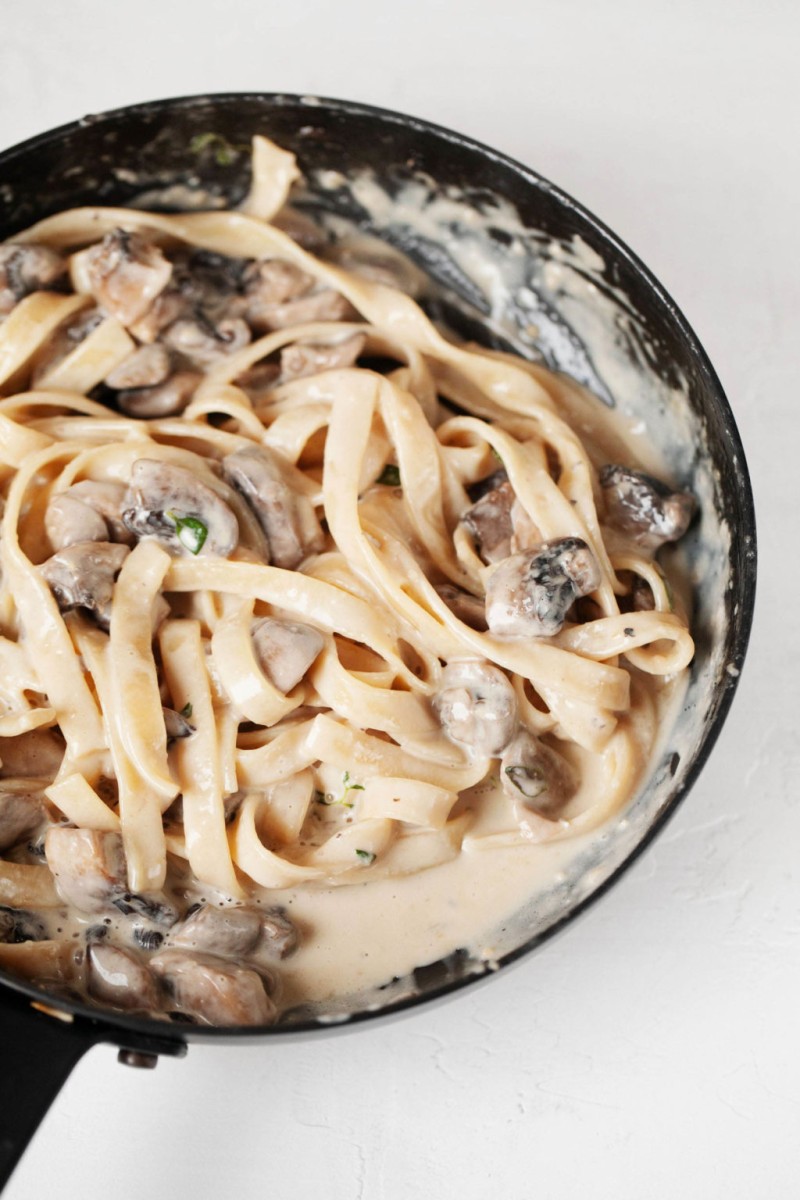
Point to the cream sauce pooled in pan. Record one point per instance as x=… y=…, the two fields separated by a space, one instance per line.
x=327 y=641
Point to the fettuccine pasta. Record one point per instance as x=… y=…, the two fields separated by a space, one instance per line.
x=297 y=592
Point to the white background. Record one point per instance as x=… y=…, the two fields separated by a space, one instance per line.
x=653 y=1050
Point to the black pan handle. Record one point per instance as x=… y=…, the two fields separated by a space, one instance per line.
x=38 y=1050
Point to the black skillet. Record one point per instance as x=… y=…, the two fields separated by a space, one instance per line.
x=202 y=142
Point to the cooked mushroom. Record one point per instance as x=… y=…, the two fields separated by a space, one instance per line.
x=126 y=273
x=169 y=503
x=212 y=991
x=167 y=307
x=270 y=282
x=529 y=595
x=309 y=358
x=118 y=978
x=285 y=650
x=89 y=511
x=83 y=575
x=279 y=937
x=287 y=517
x=536 y=775
x=88 y=866
x=489 y=522
x=18 y=925
x=36 y=754
x=325 y=305
x=176 y=724
x=477 y=706
x=499 y=524
x=20 y=813
x=165 y=400
x=146 y=367
x=645 y=508
x=64 y=341
x=202 y=343
x=225 y=932
x=151 y=909
x=25 y=269
x=463 y=605
x=68 y=520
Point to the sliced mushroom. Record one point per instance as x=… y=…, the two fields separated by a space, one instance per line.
x=146 y=367
x=536 y=775
x=167 y=308
x=488 y=484
x=83 y=575
x=477 y=706
x=489 y=522
x=309 y=358
x=463 y=605
x=88 y=866
x=645 y=508
x=20 y=813
x=64 y=341
x=212 y=991
x=202 y=343
x=499 y=524
x=176 y=724
x=225 y=932
x=7 y=925
x=287 y=517
x=68 y=520
x=19 y=925
x=151 y=909
x=36 y=754
x=325 y=305
x=126 y=272
x=259 y=379
x=25 y=269
x=89 y=511
x=166 y=400
x=279 y=937
x=529 y=595
x=285 y=650
x=270 y=282
x=169 y=503
x=116 y=977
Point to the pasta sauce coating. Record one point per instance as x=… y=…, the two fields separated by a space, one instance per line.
x=298 y=594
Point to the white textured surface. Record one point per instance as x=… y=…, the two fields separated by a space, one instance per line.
x=652 y=1050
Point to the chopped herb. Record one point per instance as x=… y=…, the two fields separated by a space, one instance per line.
x=224 y=152
x=191 y=532
x=186 y=711
x=389 y=476
x=366 y=856
x=347 y=786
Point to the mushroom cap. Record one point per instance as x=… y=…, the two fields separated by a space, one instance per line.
x=82 y=575
x=477 y=706
x=285 y=650
x=164 y=500
x=529 y=595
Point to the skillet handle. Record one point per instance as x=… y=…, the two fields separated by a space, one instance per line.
x=37 y=1053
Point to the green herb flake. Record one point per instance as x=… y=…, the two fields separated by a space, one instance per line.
x=224 y=152
x=191 y=532
x=389 y=476
x=347 y=787
x=366 y=856
x=186 y=711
